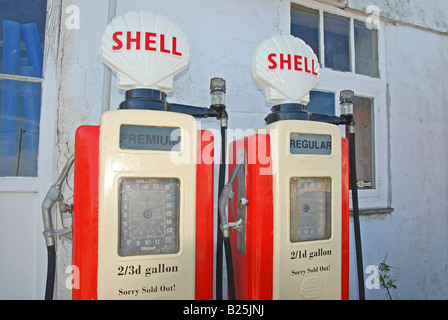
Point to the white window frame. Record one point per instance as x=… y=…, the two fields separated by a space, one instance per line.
x=363 y=86
x=49 y=96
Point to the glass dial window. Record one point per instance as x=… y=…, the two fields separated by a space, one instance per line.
x=310 y=209
x=149 y=210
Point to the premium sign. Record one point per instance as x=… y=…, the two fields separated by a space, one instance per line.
x=149 y=138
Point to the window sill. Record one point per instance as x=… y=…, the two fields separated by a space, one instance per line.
x=369 y=211
x=19 y=184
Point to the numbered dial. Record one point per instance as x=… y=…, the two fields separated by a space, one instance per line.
x=310 y=215
x=149 y=210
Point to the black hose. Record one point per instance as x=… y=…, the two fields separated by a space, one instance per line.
x=230 y=278
x=354 y=187
x=51 y=272
x=219 y=237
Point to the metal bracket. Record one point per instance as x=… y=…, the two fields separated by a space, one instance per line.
x=237 y=225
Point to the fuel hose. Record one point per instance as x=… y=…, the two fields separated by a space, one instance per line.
x=219 y=237
x=51 y=272
x=355 y=205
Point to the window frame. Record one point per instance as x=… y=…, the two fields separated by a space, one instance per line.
x=363 y=86
x=49 y=91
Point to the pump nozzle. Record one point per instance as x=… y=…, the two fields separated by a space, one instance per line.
x=224 y=196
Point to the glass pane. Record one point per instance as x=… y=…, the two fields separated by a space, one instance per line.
x=310 y=209
x=149 y=213
x=305 y=25
x=321 y=102
x=19 y=127
x=337 y=44
x=365 y=144
x=22 y=34
x=366 y=50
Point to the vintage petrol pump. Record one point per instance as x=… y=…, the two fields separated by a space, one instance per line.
x=143 y=178
x=151 y=173
x=291 y=187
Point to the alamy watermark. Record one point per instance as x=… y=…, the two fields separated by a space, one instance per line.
x=72 y=20
x=373 y=280
x=373 y=20
x=381 y=277
x=72 y=280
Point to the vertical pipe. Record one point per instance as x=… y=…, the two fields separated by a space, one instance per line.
x=10 y=90
x=51 y=271
x=229 y=263
x=219 y=237
x=354 y=187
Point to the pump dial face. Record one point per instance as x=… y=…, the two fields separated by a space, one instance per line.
x=149 y=210
x=310 y=209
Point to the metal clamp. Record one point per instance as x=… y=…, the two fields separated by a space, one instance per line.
x=237 y=225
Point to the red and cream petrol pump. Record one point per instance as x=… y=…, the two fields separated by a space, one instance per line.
x=290 y=180
x=143 y=178
x=143 y=181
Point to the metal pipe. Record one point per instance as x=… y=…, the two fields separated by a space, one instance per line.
x=65 y=171
x=53 y=195
x=224 y=196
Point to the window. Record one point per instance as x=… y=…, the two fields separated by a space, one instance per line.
x=321 y=102
x=336 y=33
x=305 y=25
x=337 y=42
x=349 y=53
x=22 y=32
x=365 y=151
x=366 y=49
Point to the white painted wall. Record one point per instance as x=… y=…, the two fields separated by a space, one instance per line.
x=223 y=36
x=431 y=14
x=417 y=77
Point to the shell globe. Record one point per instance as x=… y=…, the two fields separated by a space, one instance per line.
x=145 y=49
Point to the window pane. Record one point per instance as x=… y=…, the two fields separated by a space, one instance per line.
x=22 y=35
x=366 y=50
x=365 y=144
x=310 y=209
x=305 y=25
x=321 y=102
x=22 y=30
x=19 y=127
x=337 y=44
